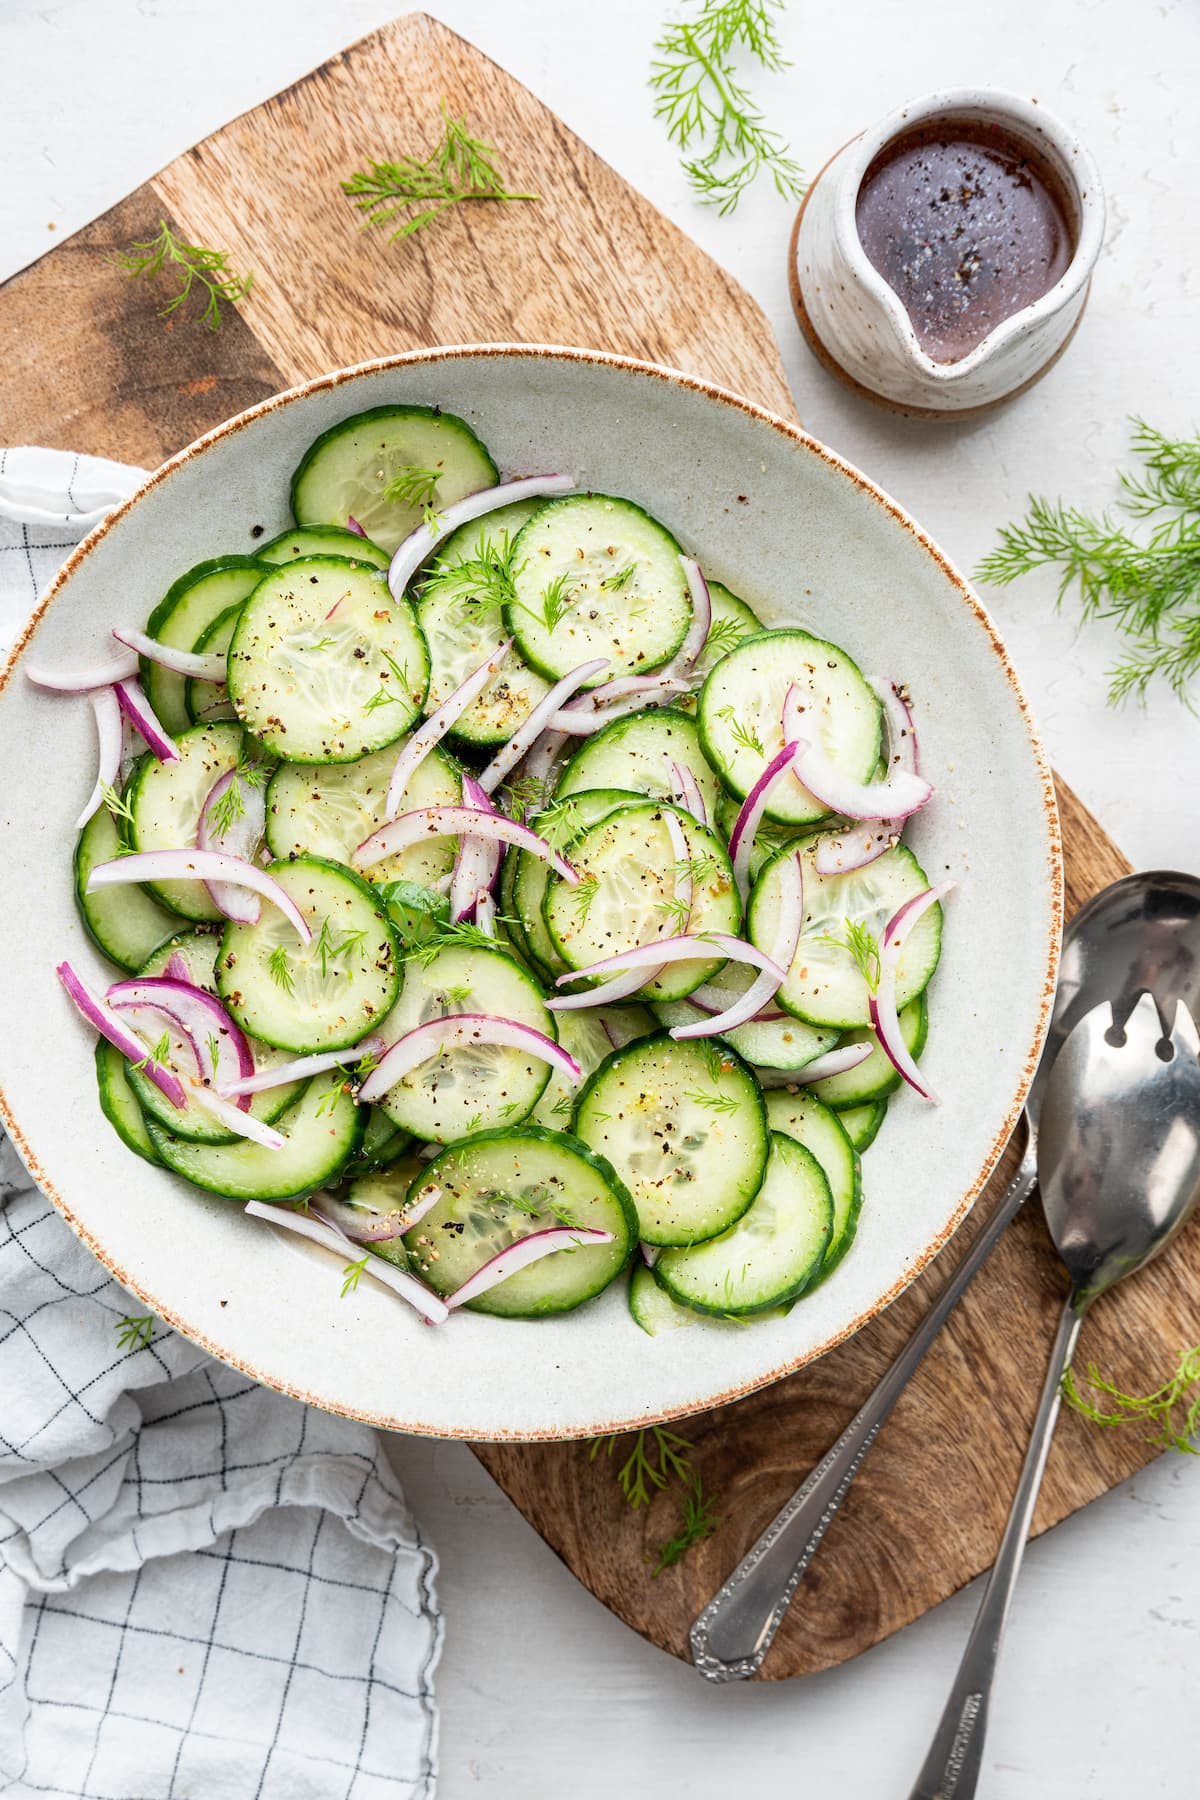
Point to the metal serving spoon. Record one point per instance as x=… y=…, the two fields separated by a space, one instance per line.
x=1140 y=934
x=1119 y=1171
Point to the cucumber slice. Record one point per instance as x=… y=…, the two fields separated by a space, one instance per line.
x=785 y=1043
x=118 y=1102
x=528 y=876
x=820 y=1131
x=773 y=1251
x=208 y=701
x=636 y=753
x=732 y=620
x=825 y=984
x=651 y=1306
x=187 y=609
x=199 y=951
x=322 y=540
x=328 y=811
x=861 y=1123
x=685 y=1127
x=323 y=1130
x=324 y=665
x=501 y=1187
x=875 y=1078
x=470 y=1087
x=460 y=612
x=324 y=995
x=127 y=923
x=628 y=894
x=383 y=1193
x=167 y=798
x=383 y=1143
x=741 y=710
x=594 y=575
x=589 y=1037
x=346 y=472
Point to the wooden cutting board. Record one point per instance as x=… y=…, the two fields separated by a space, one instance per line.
x=91 y=365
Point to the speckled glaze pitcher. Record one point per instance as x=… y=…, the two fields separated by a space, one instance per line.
x=857 y=324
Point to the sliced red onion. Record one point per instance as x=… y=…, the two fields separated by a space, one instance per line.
x=359 y=1225
x=242 y=838
x=578 y=723
x=199 y=865
x=526 y=734
x=623 y=686
x=469 y=1029
x=539 y=763
x=477 y=861
x=80 y=681
x=520 y=1255
x=783 y=951
x=320 y=1231
x=107 y=710
x=438 y=724
x=141 y=716
x=898 y=796
x=682 y=877
x=701 y=625
x=834 y=1062
x=260 y=1081
x=230 y=1114
x=741 y=838
x=454 y=821
x=650 y=1253
x=902 y=732
x=425 y=539
x=222 y=1053
x=884 y=1012
x=631 y=981
x=114 y=1029
x=177 y=969
x=856 y=846
x=688 y=790
x=675 y=949
x=712 y=1000
x=485 y=911
x=353 y=525
x=200 y=664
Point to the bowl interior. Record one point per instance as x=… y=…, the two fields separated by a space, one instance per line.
x=803 y=538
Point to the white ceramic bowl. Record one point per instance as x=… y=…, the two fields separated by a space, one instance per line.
x=803 y=537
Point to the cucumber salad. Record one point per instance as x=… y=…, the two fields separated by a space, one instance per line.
x=494 y=900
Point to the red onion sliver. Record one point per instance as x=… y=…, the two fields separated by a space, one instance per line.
x=712 y=1000
x=783 y=951
x=141 y=716
x=454 y=821
x=199 y=865
x=609 y=992
x=898 y=796
x=462 y=1029
x=230 y=1114
x=81 y=681
x=242 y=837
x=260 y=1081
x=526 y=734
x=902 y=732
x=200 y=664
x=838 y=1061
x=741 y=838
x=425 y=539
x=679 y=949
x=107 y=710
x=577 y=723
x=688 y=788
x=358 y=1225
x=701 y=625
x=111 y=1027
x=438 y=724
x=885 y=1015
x=539 y=764
x=485 y=911
x=177 y=969
x=222 y=1053
x=623 y=686
x=855 y=847
x=353 y=525
x=319 y=1231
x=520 y=1255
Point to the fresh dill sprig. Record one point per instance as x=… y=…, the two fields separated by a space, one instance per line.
x=329 y=1099
x=281 y=974
x=443 y=935
x=546 y=1203
x=698 y=1521
x=1173 y=1410
x=722 y=1103
x=414 y=485
x=658 y=1456
x=118 y=806
x=329 y=948
x=612 y=584
x=158 y=1054
x=676 y=910
x=560 y=822
x=486 y=576
x=459 y=168
x=229 y=808
x=213 y=1046
x=702 y=867
x=135 y=1334
x=190 y=263
x=557 y=601
x=366 y=1064
x=1147 y=586
x=582 y=894
x=861 y=945
x=709 y=112
x=525 y=795
x=724 y=635
x=352 y=1274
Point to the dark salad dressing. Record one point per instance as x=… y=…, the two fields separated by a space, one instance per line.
x=968 y=225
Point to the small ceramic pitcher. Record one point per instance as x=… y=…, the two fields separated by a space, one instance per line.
x=858 y=325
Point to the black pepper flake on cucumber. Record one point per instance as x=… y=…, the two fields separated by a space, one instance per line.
x=644 y=958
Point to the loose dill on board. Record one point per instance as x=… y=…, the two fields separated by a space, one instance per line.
x=459 y=167
x=189 y=265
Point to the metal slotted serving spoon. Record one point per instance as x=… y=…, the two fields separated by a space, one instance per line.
x=1119 y=1172
x=1140 y=934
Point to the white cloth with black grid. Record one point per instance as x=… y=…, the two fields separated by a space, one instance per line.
x=207 y=1591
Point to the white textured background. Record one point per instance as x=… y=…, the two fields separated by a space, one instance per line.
x=543 y=1694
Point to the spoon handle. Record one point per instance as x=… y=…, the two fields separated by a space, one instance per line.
x=951 y=1770
x=732 y=1635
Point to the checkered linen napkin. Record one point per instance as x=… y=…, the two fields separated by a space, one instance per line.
x=206 y=1590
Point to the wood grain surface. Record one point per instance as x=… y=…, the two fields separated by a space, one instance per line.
x=90 y=364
